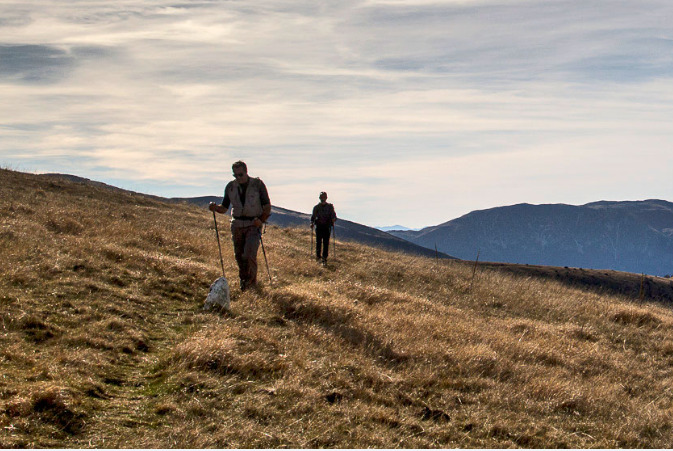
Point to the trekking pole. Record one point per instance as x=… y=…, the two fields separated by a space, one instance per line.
x=311 y=254
x=334 y=240
x=265 y=260
x=217 y=233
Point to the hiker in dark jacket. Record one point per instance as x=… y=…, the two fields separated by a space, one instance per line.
x=250 y=208
x=323 y=219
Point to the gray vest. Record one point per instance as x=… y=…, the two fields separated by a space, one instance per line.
x=253 y=204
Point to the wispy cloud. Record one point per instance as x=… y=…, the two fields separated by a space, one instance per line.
x=406 y=111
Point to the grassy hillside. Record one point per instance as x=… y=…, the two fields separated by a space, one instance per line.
x=103 y=343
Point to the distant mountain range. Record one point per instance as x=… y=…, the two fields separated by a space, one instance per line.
x=395 y=227
x=625 y=236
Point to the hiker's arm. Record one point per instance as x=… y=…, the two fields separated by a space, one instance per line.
x=266 y=205
x=222 y=209
x=218 y=208
x=266 y=212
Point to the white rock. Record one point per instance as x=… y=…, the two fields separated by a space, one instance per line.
x=218 y=296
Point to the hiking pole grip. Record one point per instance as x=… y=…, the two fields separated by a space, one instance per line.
x=217 y=234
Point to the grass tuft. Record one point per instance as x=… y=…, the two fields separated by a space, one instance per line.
x=638 y=318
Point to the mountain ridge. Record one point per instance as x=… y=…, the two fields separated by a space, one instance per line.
x=631 y=236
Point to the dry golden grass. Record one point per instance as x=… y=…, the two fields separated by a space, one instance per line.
x=103 y=342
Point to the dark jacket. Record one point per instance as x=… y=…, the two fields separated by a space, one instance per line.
x=323 y=214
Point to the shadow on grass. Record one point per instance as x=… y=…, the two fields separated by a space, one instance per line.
x=306 y=311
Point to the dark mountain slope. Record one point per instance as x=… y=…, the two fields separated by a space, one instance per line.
x=625 y=236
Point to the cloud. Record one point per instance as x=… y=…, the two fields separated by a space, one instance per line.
x=355 y=97
x=514 y=41
x=34 y=63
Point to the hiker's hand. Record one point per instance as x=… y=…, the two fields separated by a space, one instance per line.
x=258 y=223
x=311 y=225
x=216 y=207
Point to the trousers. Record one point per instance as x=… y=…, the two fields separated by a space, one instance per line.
x=322 y=233
x=246 y=245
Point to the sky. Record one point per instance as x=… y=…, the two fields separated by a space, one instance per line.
x=407 y=112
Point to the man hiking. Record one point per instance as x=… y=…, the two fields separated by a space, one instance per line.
x=323 y=219
x=250 y=208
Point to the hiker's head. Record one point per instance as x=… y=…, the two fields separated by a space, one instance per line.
x=323 y=196
x=240 y=171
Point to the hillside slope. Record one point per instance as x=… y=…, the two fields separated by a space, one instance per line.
x=623 y=236
x=104 y=343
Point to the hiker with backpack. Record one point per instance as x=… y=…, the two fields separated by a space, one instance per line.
x=323 y=219
x=250 y=208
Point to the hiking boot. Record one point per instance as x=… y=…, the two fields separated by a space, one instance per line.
x=244 y=284
x=324 y=262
